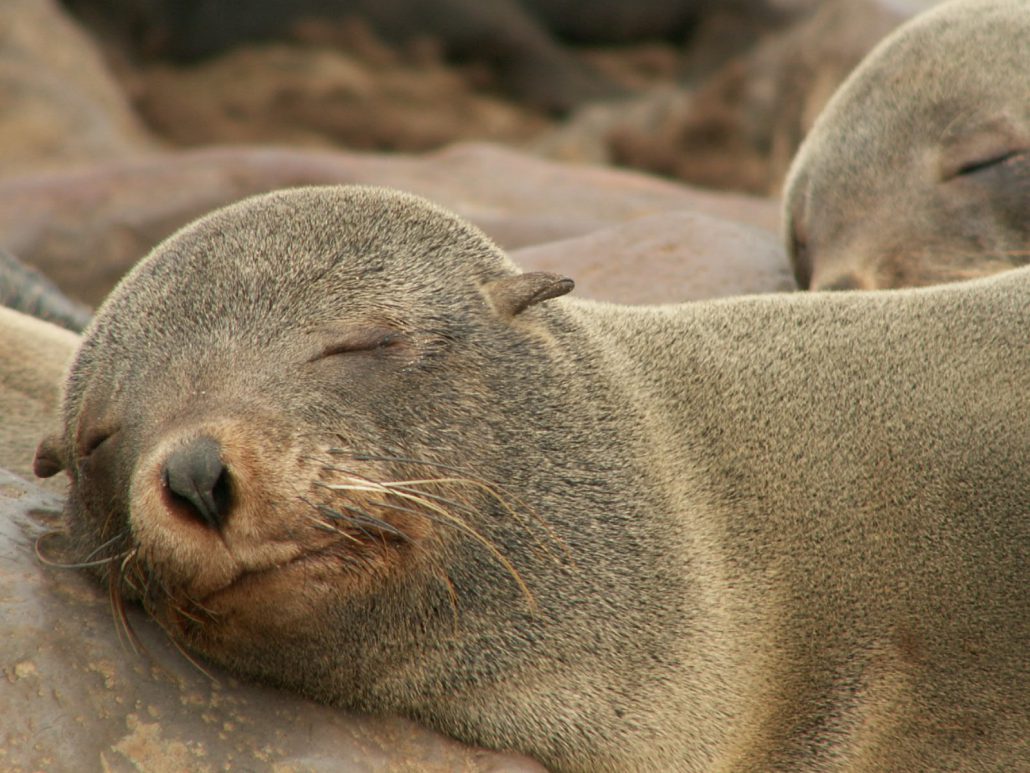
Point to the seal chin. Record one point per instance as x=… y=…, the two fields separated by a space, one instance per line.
x=272 y=603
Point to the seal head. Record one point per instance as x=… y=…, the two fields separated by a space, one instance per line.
x=917 y=171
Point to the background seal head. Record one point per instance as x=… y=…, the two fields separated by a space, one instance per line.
x=918 y=170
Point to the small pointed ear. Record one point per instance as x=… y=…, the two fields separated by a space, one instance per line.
x=514 y=294
x=48 y=460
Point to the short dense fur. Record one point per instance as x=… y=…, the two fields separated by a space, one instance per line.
x=771 y=533
x=33 y=356
x=918 y=170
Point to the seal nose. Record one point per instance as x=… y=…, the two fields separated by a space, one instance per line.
x=198 y=479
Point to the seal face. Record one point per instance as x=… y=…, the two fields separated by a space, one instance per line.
x=332 y=439
x=244 y=450
x=267 y=415
x=918 y=170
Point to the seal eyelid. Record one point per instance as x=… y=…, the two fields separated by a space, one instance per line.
x=979 y=165
x=361 y=341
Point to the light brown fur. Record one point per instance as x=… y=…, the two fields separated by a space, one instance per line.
x=918 y=170
x=33 y=356
x=769 y=533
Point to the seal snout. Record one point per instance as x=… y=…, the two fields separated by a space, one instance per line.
x=198 y=482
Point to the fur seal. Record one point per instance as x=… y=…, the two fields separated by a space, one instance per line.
x=918 y=169
x=72 y=700
x=332 y=439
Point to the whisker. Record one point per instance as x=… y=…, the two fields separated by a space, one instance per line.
x=465 y=474
x=77 y=565
x=445 y=518
x=368 y=518
x=121 y=617
x=189 y=658
x=330 y=527
x=473 y=482
x=103 y=545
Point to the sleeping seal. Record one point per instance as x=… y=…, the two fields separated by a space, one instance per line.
x=332 y=439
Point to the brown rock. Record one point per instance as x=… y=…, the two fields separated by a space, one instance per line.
x=667 y=258
x=321 y=96
x=25 y=289
x=85 y=228
x=740 y=129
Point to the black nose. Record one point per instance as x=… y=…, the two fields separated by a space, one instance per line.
x=199 y=481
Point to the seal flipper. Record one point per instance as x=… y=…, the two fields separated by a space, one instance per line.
x=514 y=294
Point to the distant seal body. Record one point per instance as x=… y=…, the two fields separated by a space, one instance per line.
x=33 y=357
x=918 y=169
x=333 y=439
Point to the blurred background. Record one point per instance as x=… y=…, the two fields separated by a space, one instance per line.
x=539 y=120
x=717 y=93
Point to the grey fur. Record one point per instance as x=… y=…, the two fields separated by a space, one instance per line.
x=889 y=188
x=786 y=532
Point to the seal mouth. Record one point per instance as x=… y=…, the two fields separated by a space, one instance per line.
x=250 y=589
x=325 y=559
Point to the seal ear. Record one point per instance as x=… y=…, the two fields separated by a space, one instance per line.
x=48 y=460
x=514 y=294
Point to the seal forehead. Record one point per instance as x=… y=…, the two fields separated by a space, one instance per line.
x=931 y=77
x=247 y=279
x=306 y=254
x=342 y=231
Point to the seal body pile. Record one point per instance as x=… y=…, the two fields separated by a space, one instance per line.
x=333 y=439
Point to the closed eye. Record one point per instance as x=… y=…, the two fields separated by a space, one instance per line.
x=361 y=341
x=981 y=164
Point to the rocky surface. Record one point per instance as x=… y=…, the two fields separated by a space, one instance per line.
x=86 y=227
x=725 y=107
x=27 y=290
x=740 y=127
x=668 y=258
x=324 y=97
